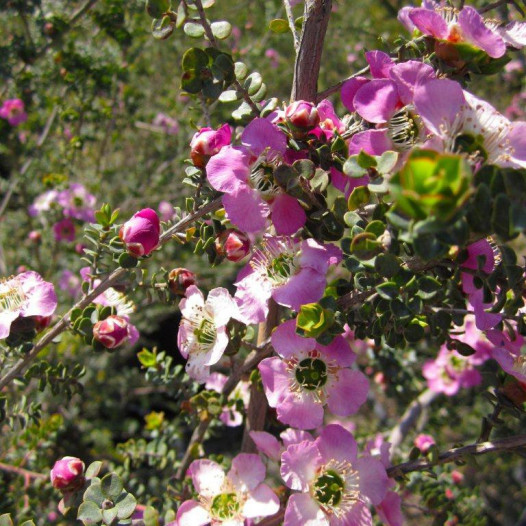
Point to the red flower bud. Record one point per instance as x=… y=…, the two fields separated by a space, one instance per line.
x=180 y=279
x=207 y=142
x=112 y=331
x=233 y=244
x=68 y=474
x=302 y=115
x=141 y=233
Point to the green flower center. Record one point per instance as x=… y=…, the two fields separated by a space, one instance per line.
x=311 y=373
x=262 y=179
x=206 y=332
x=471 y=145
x=403 y=128
x=328 y=488
x=225 y=506
x=11 y=297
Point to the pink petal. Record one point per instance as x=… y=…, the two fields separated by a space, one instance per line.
x=246 y=209
x=267 y=444
x=403 y=18
x=192 y=513
x=294 y=436
x=338 y=351
x=261 y=134
x=517 y=138
x=408 y=75
x=300 y=410
x=307 y=286
x=438 y=102
x=429 y=22
x=373 y=142
x=507 y=361
x=252 y=297
x=377 y=100
x=6 y=318
x=319 y=257
x=287 y=214
x=302 y=510
x=336 y=443
x=373 y=479
x=514 y=34
x=247 y=471
x=287 y=343
x=228 y=170
x=221 y=304
x=349 y=89
x=261 y=502
x=276 y=380
x=475 y=31
x=208 y=477
x=299 y=464
x=347 y=393
x=390 y=509
x=380 y=63
x=358 y=515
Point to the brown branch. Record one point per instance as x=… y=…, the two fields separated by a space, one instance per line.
x=307 y=67
x=290 y=18
x=21 y=471
x=458 y=453
x=409 y=418
x=198 y=435
x=110 y=280
x=333 y=89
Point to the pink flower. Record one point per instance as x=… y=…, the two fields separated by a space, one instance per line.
x=69 y=282
x=451 y=25
x=271 y=447
x=170 y=126
x=141 y=233
x=307 y=376
x=12 y=111
x=507 y=352
x=64 y=230
x=24 y=295
x=290 y=271
x=424 y=442
x=113 y=331
x=233 y=244
x=228 y=499
x=245 y=175
x=207 y=142
x=68 y=474
x=43 y=203
x=77 y=202
x=203 y=335
x=230 y=416
x=166 y=210
x=336 y=487
x=448 y=111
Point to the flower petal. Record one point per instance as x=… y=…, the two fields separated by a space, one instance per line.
x=276 y=380
x=347 y=393
x=377 y=100
x=429 y=22
x=475 y=31
x=247 y=472
x=287 y=214
x=261 y=502
x=408 y=75
x=300 y=410
x=267 y=444
x=373 y=142
x=208 y=477
x=305 y=287
x=349 y=89
x=336 y=443
x=228 y=170
x=246 y=209
x=261 y=134
x=287 y=343
x=374 y=481
x=299 y=464
x=191 y=513
x=302 y=510
x=379 y=63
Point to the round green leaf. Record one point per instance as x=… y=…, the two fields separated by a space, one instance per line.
x=278 y=25
x=89 y=513
x=194 y=58
x=157 y=8
x=108 y=515
x=194 y=29
x=230 y=95
x=221 y=29
x=253 y=83
x=111 y=485
x=240 y=70
x=125 y=505
x=162 y=28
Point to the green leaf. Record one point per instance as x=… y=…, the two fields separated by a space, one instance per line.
x=151 y=516
x=230 y=95
x=94 y=493
x=253 y=83
x=221 y=29
x=111 y=485
x=240 y=70
x=157 y=8
x=365 y=246
x=376 y=227
x=353 y=169
x=27 y=523
x=387 y=265
x=359 y=196
x=313 y=320
x=428 y=287
x=194 y=29
x=127 y=261
x=109 y=515
x=125 y=505
x=89 y=513
x=365 y=160
x=162 y=28
x=194 y=59
x=279 y=25
x=388 y=290
x=243 y=112
x=260 y=94
x=387 y=162
x=414 y=332
x=93 y=469
x=5 y=520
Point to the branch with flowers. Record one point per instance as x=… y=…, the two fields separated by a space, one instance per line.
x=351 y=263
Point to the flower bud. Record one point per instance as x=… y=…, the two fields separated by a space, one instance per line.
x=233 y=244
x=180 y=279
x=302 y=115
x=111 y=332
x=68 y=474
x=207 y=142
x=141 y=233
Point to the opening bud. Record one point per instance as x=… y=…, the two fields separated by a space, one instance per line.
x=112 y=331
x=302 y=115
x=207 y=142
x=68 y=474
x=233 y=244
x=179 y=279
x=141 y=233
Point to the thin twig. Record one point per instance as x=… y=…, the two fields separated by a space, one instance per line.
x=458 y=453
x=198 y=435
x=333 y=89
x=61 y=325
x=292 y=25
x=21 y=471
x=409 y=418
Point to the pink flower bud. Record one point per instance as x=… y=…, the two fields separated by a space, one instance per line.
x=35 y=236
x=424 y=442
x=302 y=115
x=207 y=142
x=180 y=279
x=112 y=331
x=457 y=477
x=233 y=244
x=12 y=111
x=141 y=233
x=68 y=474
